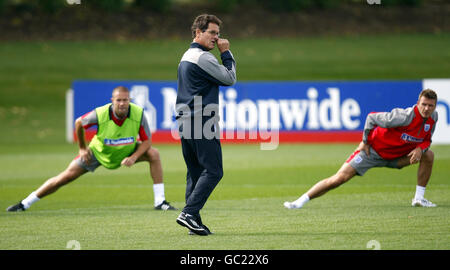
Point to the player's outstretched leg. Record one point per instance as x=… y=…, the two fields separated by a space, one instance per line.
x=51 y=185
x=345 y=173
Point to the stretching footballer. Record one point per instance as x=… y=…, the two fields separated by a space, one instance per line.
x=391 y=139
x=115 y=144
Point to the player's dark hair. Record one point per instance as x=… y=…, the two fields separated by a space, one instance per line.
x=202 y=22
x=428 y=93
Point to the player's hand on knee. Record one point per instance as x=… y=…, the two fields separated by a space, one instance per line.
x=86 y=155
x=128 y=161
x=364 y=147
x=415 y=155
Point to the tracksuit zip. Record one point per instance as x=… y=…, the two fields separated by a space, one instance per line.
x=423 y=124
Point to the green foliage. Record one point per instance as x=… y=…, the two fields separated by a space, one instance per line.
x=297 y=5
x=226 y=5
x=161 y=6
x=21 y=5
x=108 y=5
x=46 y=6
x=401 y=2
x=288 y=5
x=51 y=6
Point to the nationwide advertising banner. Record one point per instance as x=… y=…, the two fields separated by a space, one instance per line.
x=270 y=112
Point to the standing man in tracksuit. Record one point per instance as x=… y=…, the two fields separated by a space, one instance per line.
x=391 y=139
x=197 y=106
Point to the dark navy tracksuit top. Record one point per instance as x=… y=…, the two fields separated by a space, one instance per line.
x=200 y=75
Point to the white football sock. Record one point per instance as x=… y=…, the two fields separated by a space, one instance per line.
x=420 y=191
x=301 y=201
x=28 y=201
x=158 y=192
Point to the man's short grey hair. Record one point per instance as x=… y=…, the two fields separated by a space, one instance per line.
x=120 y=89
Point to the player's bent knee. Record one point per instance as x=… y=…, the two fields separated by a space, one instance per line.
x=428 y=156
x=153 y=154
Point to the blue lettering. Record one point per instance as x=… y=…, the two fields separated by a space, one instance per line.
x=447 y=109
x=410 y=138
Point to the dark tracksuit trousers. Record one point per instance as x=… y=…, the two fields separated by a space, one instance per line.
x=203 y=158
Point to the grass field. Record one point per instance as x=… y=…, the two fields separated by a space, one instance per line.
x=113 y=209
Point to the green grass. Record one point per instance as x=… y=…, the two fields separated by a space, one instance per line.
x=113 y=209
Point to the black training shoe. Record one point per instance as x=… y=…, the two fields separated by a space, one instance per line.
x=165 y=205
x=190 y=222
x=206 y=229
x=16 y=208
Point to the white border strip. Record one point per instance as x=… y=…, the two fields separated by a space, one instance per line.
x=69 y=116
x=442 y=88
